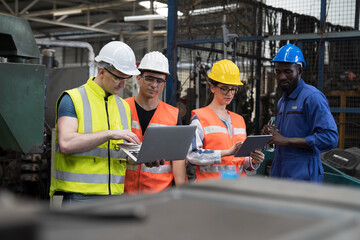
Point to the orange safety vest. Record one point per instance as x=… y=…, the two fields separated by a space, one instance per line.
x=217 y=137
x=142 y=178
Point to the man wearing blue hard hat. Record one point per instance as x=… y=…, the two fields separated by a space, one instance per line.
x=304 y=124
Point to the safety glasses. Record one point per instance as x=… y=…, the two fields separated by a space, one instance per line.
x=116 y=78
x=225 y=91
x=151 y=80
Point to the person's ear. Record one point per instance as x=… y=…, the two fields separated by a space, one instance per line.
x=300 y=70
x=138 y=79
x=212 y=88
x=101 y=71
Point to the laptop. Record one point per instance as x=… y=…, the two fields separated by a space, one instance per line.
x=166 y=142
x=251 y=143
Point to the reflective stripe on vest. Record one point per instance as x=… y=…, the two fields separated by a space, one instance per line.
x=217 y=137
x=157 y=125
x=135 y=125
x=87 y=111
x=100 y=170
x=218 y=129
x=161 y=169
x=132 y=167
x=239 y=131
x=98 y=152
x=216 y=168
x=122 y=112
x=89 y=178
x=214 y=129
x=139 y=177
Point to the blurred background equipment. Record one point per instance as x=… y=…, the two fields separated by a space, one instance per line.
x=193 y=35
x=24 y=158
x=22 y=88
x=251 y=207
x=346 y=160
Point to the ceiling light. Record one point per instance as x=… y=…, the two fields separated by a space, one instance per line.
x=144 y=17
x=66 y=12
x=159 y=8
x=146 y=4
x=212 y=9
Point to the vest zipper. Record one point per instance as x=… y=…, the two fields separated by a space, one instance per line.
x=107 y=115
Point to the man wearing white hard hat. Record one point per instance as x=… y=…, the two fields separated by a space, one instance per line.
x=148 y=110
x=91 y=120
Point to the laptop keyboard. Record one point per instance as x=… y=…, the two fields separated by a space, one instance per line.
x=135 y=153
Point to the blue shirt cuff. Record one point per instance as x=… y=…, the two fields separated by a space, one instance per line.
x=310 y=140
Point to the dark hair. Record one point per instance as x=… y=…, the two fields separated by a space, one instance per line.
x=210 y=96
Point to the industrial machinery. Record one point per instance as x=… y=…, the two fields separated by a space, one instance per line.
x=345 y=160
x=24 y=141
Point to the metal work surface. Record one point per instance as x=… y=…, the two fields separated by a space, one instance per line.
x=245 y=208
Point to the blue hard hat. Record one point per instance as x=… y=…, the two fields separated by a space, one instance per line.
x=291 y=54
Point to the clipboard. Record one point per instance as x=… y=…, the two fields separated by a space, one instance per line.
x=251 y=143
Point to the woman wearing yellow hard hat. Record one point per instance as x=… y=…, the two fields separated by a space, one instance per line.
x=220 y=132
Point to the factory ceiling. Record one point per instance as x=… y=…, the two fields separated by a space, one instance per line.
x=84 y=19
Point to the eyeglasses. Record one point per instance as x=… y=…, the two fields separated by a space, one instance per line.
x=117 y=78
x=225 y=91
x=151 y=80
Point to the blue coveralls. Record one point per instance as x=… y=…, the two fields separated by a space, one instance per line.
x=304 y=114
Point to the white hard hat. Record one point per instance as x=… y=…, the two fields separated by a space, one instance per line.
x=120 y=55
x=155 y=61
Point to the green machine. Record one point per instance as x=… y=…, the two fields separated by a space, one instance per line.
x=22 y=88
x=332 y=175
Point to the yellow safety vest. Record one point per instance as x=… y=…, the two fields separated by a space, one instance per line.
x=101 y=170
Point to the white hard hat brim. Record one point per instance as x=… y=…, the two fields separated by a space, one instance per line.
x=125 y=70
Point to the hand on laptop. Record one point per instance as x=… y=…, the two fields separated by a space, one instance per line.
x=157 y=163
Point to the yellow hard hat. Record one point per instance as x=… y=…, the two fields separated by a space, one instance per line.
x=225 y=71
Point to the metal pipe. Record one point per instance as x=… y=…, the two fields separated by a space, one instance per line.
x=197 y=82
x=91 y=57
x=171 y=52
x=321 y=46
x=224 y=46
x=357 y=12
x=151 y=28
x=258 y=70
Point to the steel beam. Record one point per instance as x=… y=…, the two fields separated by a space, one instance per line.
x=72 y=25
x=171 y=52
x=81 y=7
x=28 y=6
x=8 y=7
